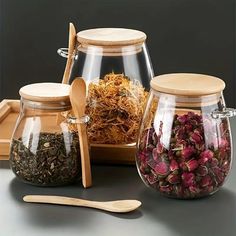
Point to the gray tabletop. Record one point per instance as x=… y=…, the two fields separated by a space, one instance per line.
x=215 y=215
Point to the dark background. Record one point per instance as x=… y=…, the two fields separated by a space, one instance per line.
x=183 y=36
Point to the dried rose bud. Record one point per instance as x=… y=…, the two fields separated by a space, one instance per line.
x=165 y=189
x=224 y=143
x=194 y=189
x=152 y=179
x=173 y=179
x=144 y=168
x=178 y=189
x=182 y=119
x=150 y=147
x=207 y=154
x=222 y=154
x=188 y=179
x=180 y=134
x=196 y=137
x=143 y=156
x=162 y=168
x=202 y=161
x=206 y=181
x=218 y=174
x=187 y=152
x=202 y=170
x=225 y=166
x=174 y=165
x=191 y=165
x=214 y=162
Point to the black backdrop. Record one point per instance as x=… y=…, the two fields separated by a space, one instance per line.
x=183 y=36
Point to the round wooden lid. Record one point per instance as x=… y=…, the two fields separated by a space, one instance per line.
x=46 y=92
x=111 y=37
x=187 y=84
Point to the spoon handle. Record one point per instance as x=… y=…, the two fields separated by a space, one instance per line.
x=85 y=158
x=60 y=200
x=71 y=47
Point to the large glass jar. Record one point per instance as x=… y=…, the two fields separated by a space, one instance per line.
x=184 y=147
x=116 y=67
x=45 y=145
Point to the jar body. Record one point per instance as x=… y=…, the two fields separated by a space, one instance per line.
x=45 y=147
x=118 y=81
x=182 y=151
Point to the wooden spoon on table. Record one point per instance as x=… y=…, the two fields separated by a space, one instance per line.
x=120 y=206
x=78 y=102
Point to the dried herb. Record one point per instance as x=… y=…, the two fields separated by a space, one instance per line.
x=46 y=159
x=115 y=106
x=195 y=164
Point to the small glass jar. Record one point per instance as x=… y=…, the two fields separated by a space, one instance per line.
x=117 y=69
x=45 y=145
x=184 y=148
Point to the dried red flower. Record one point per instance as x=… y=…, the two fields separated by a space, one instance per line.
x=195 y=164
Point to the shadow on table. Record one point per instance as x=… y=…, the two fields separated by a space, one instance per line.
x=214 y=215
x=53 y=215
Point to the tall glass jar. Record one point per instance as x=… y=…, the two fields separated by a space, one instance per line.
x=45 y=145
x=116 y=66
x=185 y=147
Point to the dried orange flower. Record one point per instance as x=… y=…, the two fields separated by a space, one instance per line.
x=115 y=106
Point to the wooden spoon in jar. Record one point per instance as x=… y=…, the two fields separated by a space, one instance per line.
x=120 y=206
x=78 y=102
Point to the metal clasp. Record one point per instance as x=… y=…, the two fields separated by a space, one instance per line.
x=63 y=52
x=82 y=120
x=225 y=113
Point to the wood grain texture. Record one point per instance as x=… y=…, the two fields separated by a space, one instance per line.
x=118 y=206
x=111 y=37
x=78 y=102
x=71 y=48
x=187 y=84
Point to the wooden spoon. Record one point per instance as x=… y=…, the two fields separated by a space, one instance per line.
x=78 y=102
x=71 y=48
x=121 y=206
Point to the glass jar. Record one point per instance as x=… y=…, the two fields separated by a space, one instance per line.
x=184 y=147
x=116 y=67
x=45 y=145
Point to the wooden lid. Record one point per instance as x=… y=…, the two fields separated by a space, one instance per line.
x=46 y=92
x=111 y=37
x=187 y=84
